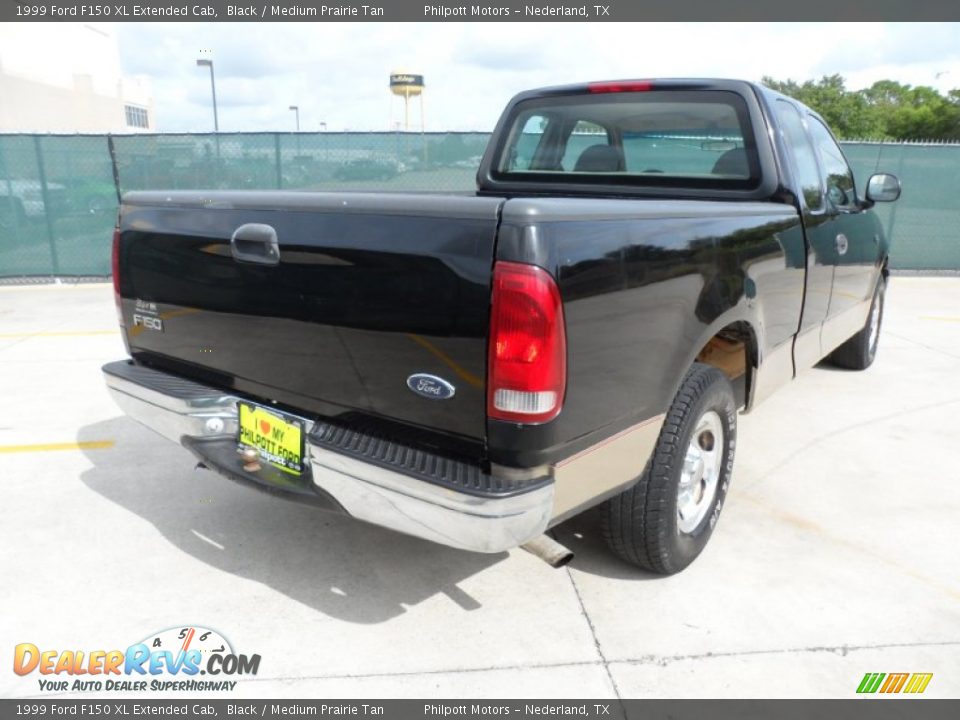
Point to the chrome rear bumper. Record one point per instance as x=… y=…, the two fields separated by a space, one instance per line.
x=202 y=418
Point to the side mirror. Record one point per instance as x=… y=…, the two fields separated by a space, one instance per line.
x=883 y=187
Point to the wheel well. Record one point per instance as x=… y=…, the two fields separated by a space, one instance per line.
x=733 y=350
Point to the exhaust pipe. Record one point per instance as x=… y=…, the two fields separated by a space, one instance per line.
x=549 y=550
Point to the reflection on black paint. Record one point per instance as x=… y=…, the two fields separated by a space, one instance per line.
x=639 y=294
x=327 y=330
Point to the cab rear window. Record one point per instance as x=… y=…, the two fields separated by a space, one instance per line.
x=671 y=138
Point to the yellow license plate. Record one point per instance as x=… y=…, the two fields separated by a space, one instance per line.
x=276 y=436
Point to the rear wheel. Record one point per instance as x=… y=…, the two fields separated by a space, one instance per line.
x=664 y=521
x=859 y=352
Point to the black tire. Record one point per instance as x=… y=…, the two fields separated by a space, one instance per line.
x=859 y=352
x=642 y=524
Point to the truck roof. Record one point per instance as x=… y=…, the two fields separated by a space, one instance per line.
x=641 y=84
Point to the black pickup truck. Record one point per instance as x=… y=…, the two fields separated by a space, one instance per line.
x=641 y=260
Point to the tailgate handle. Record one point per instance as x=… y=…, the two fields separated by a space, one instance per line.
x=255 y=243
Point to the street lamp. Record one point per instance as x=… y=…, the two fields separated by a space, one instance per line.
x=213 y=91
x=296 y=109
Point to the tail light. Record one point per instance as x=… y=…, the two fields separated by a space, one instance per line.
x=115 y=267
x=527 y=365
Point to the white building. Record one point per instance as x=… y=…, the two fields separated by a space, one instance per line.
x=66 y=78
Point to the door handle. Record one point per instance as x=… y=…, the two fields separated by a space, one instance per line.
x=255 y=243
x=842 y=244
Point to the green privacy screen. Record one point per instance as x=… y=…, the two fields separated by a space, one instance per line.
x=924 y=225
x=58 y=194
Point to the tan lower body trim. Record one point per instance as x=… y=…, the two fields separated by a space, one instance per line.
x=604 y=468
x=809 y=348
x=843 y=326
x=775 y=369
x=806 y=348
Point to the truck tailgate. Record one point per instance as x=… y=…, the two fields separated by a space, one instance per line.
x=365 y=291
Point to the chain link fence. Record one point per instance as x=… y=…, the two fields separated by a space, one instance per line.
x=59 y=194
x=924 y=225
x=58 y=205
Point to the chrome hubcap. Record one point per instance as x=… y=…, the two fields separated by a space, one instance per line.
x=701 y=472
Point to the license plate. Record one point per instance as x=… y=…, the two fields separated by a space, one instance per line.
x=276 y=436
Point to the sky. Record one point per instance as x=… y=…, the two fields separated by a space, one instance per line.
x=337 y=73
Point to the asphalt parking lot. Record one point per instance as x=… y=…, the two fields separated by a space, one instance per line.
x=836 y=554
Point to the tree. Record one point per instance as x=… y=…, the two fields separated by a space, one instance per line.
x=887 y=109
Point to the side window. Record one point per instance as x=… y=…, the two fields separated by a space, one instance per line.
x=837 y=176
x=523 y=152
x=585 y=134
x=808 y=172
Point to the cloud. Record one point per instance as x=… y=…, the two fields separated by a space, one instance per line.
x=892 y=45
x=501 y=54
x=338 y=72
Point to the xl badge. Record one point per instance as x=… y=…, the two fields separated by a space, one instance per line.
x=430 y=386
x=146 y=316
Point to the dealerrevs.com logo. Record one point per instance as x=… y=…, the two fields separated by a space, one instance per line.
x=172 y=659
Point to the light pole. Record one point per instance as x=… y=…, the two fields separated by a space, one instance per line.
x=213 y=91
x=296 y=110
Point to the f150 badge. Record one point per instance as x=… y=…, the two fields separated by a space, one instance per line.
x=146 y=316
x=431 y=386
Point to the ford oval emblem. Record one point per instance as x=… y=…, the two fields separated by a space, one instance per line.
x=430 y=386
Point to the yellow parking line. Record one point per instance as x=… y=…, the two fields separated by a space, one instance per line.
x=57 y=286
x=74 y=333
x=937 y=317
x=50 y=447
x=467 y=376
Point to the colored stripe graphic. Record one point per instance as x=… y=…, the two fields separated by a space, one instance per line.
x=918 y=683
x=894 y=682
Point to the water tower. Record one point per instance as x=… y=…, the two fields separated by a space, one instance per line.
x=407 y=85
